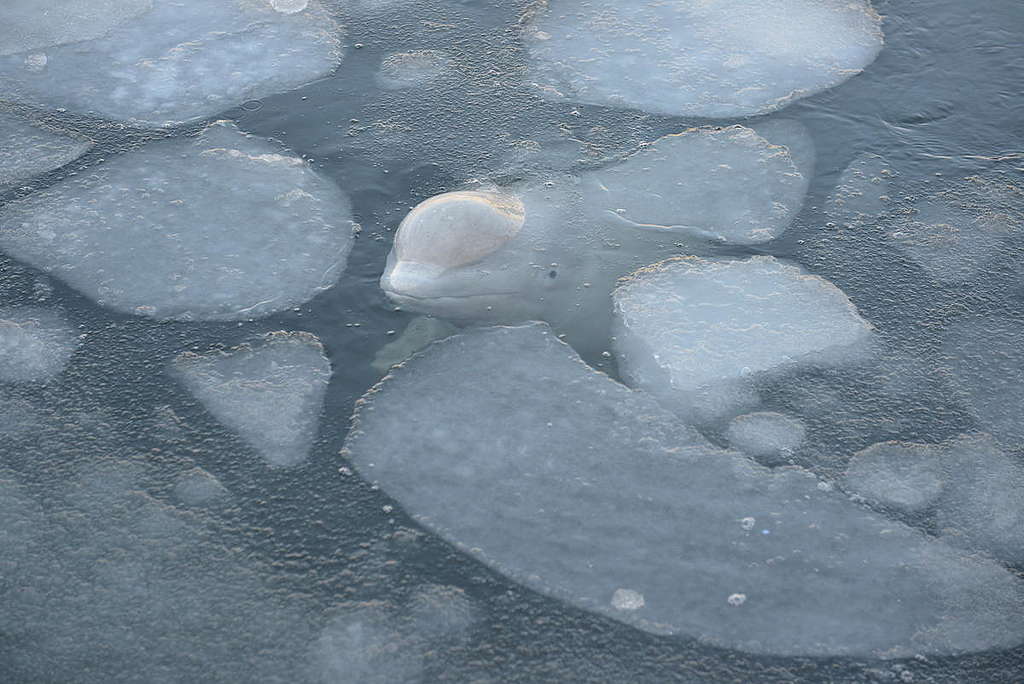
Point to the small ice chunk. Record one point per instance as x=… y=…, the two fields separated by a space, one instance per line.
x=862 y=193
x=161 y=64
x=30 y=150
x=289 y=6
x=198 y=488
x=168 y=232
x=725 y=184
x=698 y=58
x=697 y=332
x=413 y=69
x=35 y=344
x=767 y=436
x=905 y=476
x=269 y=392
x=365 y=645
x=441 y=611
x=627 y=599
x=586 y=488
x=420 y=332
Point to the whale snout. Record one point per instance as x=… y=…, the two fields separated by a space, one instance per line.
x=411 y=279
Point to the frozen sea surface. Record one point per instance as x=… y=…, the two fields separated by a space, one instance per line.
x=148 y=538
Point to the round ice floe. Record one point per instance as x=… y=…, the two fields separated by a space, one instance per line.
x=35 y=344
x=441 y=611
x=30 y=150
x=164 y=63
x=697 y=332
x=269 y=392
x=217 y=227
x=727 y=184
x=905 y=476
x=766 y=435
x=699 y=58
x=592 y=493
x=411 y=69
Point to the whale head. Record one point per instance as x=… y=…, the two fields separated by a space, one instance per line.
x=468 y=256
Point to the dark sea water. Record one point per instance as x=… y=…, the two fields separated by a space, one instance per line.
x=943 y=100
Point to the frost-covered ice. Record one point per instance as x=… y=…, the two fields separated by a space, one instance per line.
x=727 y=184
x=905 y=476
x=699 y=58
x=270 y=392
x=158 y=62
x=696 y=332
x=35 y=344
x=365 y=645
x=973 y=488
x=222 y=226
x=437 y=610
x=766 y=435
x=552 y=248
x=582 y=487
x=413 y=69
x=30 y=150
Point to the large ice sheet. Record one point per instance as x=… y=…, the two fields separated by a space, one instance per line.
x=695 y=332
x=217 y=227
x=35 y=344
x=698 y=58
x=552 y=248
x=270 y=392
x=30 y=150
x=162 y=62
x=503 y=442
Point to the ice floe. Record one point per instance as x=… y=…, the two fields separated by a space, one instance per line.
x=161 y=62
x=269 y=392
x=413 y=69
x=698 y=58
x=696 y=332
x=35 y=344
x=590 y=492
x=29 y=150
x=221 y=226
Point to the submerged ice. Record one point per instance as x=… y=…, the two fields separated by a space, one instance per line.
x=162 y=62
x=270 y=392
x=698 y=58
x=221 y=226
x=590 y=492
x=697 y=333
x=970 y=487
x=35 y=344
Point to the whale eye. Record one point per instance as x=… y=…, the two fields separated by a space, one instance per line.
x=552 y=274
x=458 y=228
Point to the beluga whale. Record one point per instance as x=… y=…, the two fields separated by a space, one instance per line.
x=551 y=248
